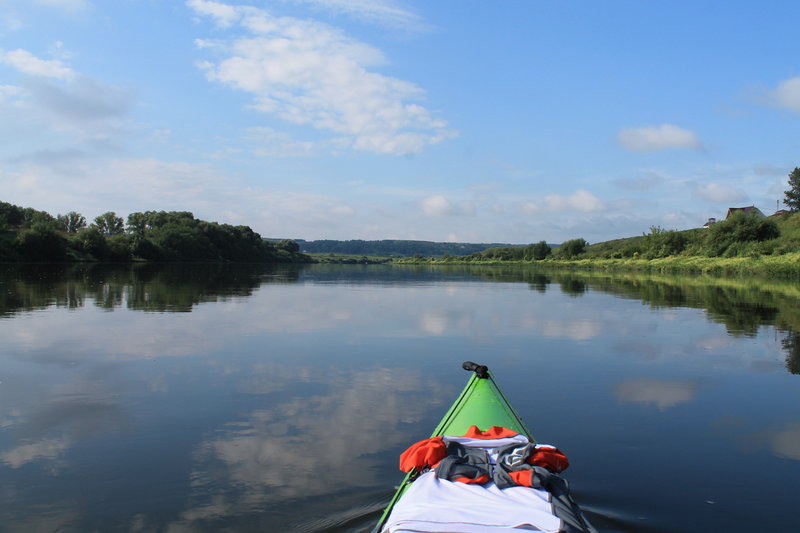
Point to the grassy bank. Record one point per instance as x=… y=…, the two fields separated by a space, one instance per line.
x=744 y=245
x=779 y=266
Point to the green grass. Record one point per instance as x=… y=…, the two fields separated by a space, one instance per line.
x=349 y=259
x=774 y=258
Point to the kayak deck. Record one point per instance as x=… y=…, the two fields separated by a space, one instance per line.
x=481 y=403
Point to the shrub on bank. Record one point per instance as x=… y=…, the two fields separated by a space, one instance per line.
x=730 y=238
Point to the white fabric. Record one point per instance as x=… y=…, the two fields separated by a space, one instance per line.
x=432 y=505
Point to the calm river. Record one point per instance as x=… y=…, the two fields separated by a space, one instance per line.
x=260 y=399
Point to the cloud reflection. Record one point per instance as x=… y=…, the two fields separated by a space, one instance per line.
x=305 y=446
x=660 y=393
x=786 y=443
x=43 y=449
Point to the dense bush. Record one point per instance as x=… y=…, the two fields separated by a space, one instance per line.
x=41 y=243
x=572 y=248
x=729 y=237
x=538 y=251
x=663 y=243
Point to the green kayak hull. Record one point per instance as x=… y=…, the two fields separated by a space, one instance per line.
x=481 y=404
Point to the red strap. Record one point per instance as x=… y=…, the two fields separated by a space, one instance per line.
x=522 y=477
x=424 y=453
x=552 y=459
x=494 y=432
x=478 y=480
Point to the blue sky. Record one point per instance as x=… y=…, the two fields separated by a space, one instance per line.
x=491 y=121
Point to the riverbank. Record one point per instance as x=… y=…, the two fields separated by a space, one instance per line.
x=785 y=266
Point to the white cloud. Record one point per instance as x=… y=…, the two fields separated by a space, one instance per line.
x=27 y=63
x=787 y=94
x=714 y=192
x=223 y=14
x=342 y=211
x=652 y=138
x=384 y=12
x=9 y=92
x=581 y=200
x=439 y=206
x=306 y=72
x=530 y=208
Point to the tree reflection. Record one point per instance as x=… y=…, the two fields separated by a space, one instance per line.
x=573 y=287
x=791 y=344
x=150 y=287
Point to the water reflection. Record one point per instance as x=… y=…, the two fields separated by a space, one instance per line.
x=156 y=288
x=663 y=394
x=786 y=442
x=301 y=447
x=791 y=343
x=743 y=306
x=221 y=398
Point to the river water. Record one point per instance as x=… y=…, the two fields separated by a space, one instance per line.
x=214 y=398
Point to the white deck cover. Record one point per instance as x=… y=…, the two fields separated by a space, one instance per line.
x=432 y=505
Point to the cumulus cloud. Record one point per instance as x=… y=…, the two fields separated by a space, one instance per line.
x=224 y=15
x=438 y=206
x=27 y=63
x=653 y=138
x=309 y=73
x=383 y=12
x=581 y=200
x=714 y=192
x=787 y=94
x=54 y=109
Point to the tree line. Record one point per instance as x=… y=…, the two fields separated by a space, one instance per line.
x=27 y=234
x=392 y=247
x=741 y=235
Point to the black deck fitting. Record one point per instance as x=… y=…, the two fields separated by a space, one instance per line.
x=481 y=370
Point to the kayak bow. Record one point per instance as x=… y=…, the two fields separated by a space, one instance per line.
x=480 y=404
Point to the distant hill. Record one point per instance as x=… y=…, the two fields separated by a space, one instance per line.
x=394 y=248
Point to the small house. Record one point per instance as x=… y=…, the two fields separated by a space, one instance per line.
x=749 y=209
x=711 y=222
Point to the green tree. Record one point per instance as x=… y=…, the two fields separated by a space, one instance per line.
x=572 y=248
x=792 y=199
x=41 y=243
x=726 y=237
x=13 y=215
x=538 y=251
x=110 y=224
x=90 y=242
x=72 y=222
x=288 y=246
x=662 y=243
